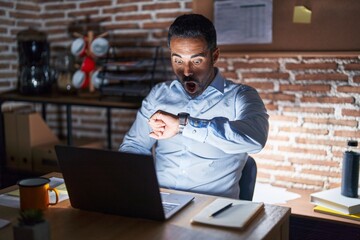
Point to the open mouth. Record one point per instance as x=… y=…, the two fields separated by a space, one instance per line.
x=191 y=86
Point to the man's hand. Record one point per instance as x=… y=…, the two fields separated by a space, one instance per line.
x=164 y=125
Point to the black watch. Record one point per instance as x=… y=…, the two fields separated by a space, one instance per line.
x=182 y=121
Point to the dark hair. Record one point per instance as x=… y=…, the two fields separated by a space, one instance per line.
x=193 y=26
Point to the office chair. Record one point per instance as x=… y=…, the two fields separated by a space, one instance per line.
x=248 y=180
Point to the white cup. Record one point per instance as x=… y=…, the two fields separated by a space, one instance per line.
x=96 y=80
x=78 y=79
x=99 y=47
x=78 y=47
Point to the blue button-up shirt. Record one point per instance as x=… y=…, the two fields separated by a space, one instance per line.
x=227 y=121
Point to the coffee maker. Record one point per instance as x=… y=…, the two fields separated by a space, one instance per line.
x=34 y=75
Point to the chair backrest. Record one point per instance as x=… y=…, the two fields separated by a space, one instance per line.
x=248 y=180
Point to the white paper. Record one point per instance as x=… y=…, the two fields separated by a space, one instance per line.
x=3 y=223
x=243 y=21
x=269 y=194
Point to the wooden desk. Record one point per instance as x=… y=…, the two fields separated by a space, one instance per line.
x=307 y=224
x=69 y=223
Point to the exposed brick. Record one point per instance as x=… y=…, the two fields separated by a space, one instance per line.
x=278 y=97
x=349 y=89
x=309 y=161
x=188 y=5
x=314 y=131
x=28 y=7
x=56 y=31
x=4 y=48
x=300 y=180
x=348 y=134
x=276 y=137
x=350 y=112
x=7 y=4
x=275 y=167
x=5 y=84
x=264 y=156
x=126 y=9
x=356 y=79
x=21 y=15
x=157 y=6
x=261 y=65
x=261 y=85
x=305 y=88
x=9 y=57
x=92 y=4
x=331 y=121
x=328 y=99
x=171 y=15
x=82 y=13
x=229 y=75
x=157 y=25
x=63 y=24
x=321 y=76
x=309 y=110
x=283 y=118
x=29 y=23
x=261 y=174
x=59 y=6
x=352 y=66
x=121 y=26
x=318 y=142
x=4 y=65
x=265 y=75
x=7 y=21
x=221 y=64
x=133 y=17
x=271 y=107
x=321 y=173
x=131 y=1
x=306 y=66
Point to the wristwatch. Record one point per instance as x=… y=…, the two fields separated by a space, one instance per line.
x=183 y=116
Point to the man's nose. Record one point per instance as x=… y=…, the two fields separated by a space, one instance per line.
x=187 y=70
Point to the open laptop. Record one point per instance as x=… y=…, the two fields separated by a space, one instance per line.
x=115 y=182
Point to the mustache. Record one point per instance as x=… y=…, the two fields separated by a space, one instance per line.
x=189 y=79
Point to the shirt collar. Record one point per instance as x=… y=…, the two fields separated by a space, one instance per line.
x=217 y=83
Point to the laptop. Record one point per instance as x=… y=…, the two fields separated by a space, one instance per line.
x=114 y=182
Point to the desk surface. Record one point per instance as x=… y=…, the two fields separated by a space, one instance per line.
x=301 y=207
x=69 y=223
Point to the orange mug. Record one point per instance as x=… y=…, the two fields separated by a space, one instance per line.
x=34 y=193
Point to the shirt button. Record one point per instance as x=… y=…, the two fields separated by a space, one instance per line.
x=194 y=131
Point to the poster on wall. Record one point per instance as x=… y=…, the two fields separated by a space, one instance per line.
x=243 y=21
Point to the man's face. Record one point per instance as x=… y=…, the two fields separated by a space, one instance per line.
x=193 y=64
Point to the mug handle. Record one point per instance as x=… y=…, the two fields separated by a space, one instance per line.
x=56 y=195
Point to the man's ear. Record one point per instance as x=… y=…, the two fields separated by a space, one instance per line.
x=215 y=55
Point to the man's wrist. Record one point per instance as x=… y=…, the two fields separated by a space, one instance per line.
x=183 y=119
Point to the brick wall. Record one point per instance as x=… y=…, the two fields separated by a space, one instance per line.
x=313 y=100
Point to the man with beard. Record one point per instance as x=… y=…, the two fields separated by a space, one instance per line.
x=200 y=127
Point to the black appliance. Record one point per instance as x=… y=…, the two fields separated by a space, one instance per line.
x=34 y=75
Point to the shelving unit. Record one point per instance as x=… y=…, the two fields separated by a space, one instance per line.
x=131 y=71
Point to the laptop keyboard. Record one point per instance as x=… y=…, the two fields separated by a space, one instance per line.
x=168 y=207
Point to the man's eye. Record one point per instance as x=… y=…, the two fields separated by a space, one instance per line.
x=197 y=61
x=178 y=61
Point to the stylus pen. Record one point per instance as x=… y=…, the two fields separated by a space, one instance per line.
x=221 y=210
